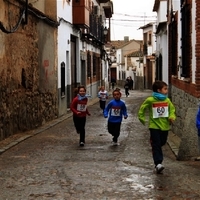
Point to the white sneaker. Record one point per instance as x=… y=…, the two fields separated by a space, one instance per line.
x=159 y=168
x=115 y=143
x=81 y=144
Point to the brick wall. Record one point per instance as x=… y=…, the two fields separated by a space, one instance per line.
x=185 y=96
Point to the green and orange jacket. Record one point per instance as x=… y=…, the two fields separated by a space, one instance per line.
x=162 y=123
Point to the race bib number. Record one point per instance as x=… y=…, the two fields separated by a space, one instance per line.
x=81 y=107
x=160 y=110
x=103 y=96
x=115 y=112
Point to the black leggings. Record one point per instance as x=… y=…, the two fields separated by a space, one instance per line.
x=102 y=104
x=114 y=130
x=79 y=123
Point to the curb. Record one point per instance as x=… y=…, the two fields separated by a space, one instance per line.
x=20 y=137
x=174 y=143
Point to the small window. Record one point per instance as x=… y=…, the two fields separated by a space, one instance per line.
x=62 y=79
x=88 y=65
x=186 y=40
x=94 y=65
x=149 y=41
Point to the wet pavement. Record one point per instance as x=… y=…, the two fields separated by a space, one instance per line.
x=48 y=163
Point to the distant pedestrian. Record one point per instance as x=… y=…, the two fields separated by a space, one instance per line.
x=198 y=130
x=161 y=115
x=130 y=83
x=115 y=110
x=103 y=96
x=79 y=109
x=113 y=81
x=126 y=87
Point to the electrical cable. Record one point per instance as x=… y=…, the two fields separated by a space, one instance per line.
x=14 y=29
x=137 y=16
x=132 y=20
x=22 y=16
x=44 y=18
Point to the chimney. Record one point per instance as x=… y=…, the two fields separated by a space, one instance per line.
x=126 y=38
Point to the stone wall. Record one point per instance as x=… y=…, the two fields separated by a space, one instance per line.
x=23 y=110
x=28 y=72
x=184 y=126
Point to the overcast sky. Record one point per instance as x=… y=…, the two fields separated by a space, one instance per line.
x=129 y=15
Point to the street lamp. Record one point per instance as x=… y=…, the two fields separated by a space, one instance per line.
x=105 y=31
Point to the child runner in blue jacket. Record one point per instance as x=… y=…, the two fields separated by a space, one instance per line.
x=115 y=110
x=198 y=127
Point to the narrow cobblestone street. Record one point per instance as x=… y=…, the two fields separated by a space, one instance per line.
x=51 y=165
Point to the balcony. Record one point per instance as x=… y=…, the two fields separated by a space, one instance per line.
x=81 y=13
x=95 y=32
x=103 y=1
x=108 y=8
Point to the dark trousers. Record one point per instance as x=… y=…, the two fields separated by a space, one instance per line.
x=79 y=123
x=126 y=91
x=113 y=85
x=158 y=138
x=114 y=130
x=102 y=104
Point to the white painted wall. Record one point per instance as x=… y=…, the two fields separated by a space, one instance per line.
x=147 y=29
x=176 y=5
x=162 y=11
x=119 y=60
x=193 y=42
x=162 y=39
x=164 y=49
x=153 y=42
x=139 y=66
x=64 y=10
x=151 y=29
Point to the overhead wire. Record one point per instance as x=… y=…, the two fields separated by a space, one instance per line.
x=138 y=16
x=22 y=16
x=131 y=21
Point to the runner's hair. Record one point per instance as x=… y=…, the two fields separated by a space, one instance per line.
x=158 y=85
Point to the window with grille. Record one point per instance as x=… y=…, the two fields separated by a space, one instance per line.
x=186 y=38
x=173 y=51
x=88 y=65
x=62 y=79
x=98 y=75
x=94 y=65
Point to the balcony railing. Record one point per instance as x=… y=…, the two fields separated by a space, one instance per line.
x=96 y=28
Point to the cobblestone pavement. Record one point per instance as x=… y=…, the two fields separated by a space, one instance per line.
x=48 y=164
